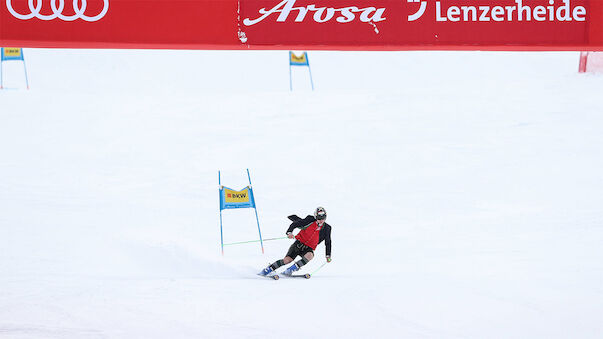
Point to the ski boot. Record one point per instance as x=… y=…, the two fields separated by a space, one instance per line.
x=289 y=271
x=266 y=271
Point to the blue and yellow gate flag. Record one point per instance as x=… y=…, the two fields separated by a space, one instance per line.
x=230 y=198
x=301 y=60
x=11 y=53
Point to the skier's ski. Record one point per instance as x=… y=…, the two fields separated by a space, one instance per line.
x=274 y=276
x=307 y=275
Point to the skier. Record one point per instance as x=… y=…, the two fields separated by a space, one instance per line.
x=314 y=230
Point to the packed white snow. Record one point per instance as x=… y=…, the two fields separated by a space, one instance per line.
x=464 y=190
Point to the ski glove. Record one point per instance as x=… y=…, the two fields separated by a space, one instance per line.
x=328 y=259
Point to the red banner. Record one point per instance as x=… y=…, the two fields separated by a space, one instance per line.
x=304 y=24
x=190 y=24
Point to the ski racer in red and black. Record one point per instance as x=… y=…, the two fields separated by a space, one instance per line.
x=314 y=230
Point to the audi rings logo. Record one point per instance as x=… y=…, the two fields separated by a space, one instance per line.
x=57 y=10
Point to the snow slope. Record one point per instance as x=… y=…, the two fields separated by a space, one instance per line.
x=464 y=190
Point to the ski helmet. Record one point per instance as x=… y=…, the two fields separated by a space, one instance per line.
x=320 y=213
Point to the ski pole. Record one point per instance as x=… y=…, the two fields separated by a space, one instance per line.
x=321 y=266
x=250 y=241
